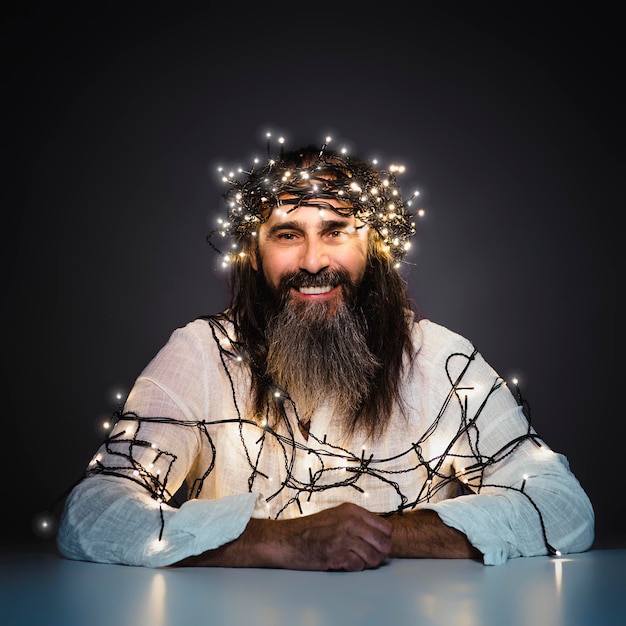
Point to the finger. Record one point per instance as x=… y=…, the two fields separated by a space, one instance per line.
x=368 y=555
x=379 y=540
x=357 y=558
x=371 y=519
x=373 y=529
x=369 y=543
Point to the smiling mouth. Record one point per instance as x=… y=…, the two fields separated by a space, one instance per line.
x=315 y=291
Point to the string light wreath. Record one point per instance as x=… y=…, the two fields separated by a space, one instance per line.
x=373 y=197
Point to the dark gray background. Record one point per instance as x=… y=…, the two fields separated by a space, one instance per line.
x=118 y=113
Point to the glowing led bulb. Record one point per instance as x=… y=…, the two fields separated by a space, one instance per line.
x=158 y=545
x=44 y=524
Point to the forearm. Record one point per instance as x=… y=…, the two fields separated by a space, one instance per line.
x=422 y=534
x=342 y=538
x=346 y=537
x=263 y=543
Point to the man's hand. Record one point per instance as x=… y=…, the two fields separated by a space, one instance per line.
x=346 y=537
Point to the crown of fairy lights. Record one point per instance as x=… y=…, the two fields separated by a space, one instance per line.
x=372 y=195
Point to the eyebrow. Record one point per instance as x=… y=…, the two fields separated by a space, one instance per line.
x=296 y=225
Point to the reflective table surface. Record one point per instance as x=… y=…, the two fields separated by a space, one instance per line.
x=583 y=589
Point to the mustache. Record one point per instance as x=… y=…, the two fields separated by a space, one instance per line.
x=300 y=278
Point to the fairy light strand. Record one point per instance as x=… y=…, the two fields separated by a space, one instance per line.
x=372 y=195
x=337 y=467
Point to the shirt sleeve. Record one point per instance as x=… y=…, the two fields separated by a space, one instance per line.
x=521 y=498
x=121 y=515
x=108 y=520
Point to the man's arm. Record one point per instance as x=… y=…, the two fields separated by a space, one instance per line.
x=422 y=534
x=346 y=537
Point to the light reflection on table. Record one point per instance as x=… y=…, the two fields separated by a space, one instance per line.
x=577 y=590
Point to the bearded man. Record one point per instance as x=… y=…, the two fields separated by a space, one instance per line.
x=319 y=422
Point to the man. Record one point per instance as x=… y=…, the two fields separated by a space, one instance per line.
x=319 y=423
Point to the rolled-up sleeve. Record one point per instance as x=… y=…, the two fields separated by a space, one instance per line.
x=116 y=516
x=504 y=523
x=521 y=497
x=108 y=520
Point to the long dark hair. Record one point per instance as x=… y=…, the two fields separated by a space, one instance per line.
x=383 y=304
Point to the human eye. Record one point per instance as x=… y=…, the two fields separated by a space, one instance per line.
x=285 y=237
x=337 y=234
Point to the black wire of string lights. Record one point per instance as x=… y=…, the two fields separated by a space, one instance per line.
x=373 y=194
x=377 y=202
x=122 y=452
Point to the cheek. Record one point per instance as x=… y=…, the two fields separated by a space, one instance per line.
x=274 y=267
x=355 y=260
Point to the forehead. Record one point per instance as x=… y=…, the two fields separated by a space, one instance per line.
x=311 y=211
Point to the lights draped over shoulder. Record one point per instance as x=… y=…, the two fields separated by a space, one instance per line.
x=451 y=455
x=372 y=195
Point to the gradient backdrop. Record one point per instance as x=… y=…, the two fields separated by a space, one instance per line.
x=118 y=114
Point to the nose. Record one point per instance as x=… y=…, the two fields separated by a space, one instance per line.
x=314 y=256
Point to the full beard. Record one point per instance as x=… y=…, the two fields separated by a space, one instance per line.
x=317 y=350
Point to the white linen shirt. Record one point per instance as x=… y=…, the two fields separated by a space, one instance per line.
x=184 y=424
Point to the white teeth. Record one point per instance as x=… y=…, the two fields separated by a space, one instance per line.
x=315 y=290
